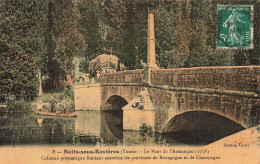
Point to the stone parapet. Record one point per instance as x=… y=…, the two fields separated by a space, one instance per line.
x=237 y=78
x=130 y=76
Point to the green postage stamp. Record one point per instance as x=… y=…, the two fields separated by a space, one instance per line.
x=235 y=28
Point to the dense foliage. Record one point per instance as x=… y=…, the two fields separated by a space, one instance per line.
x=146 y=130
x=103 y=62
x=48 y=35
x=17 y=72
x=16 y=105
x=18 y=43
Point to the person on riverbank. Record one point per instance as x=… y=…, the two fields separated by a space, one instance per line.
x=53 y=103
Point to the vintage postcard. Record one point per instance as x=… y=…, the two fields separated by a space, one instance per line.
x=129 y=81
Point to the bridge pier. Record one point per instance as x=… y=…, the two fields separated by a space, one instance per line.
x=139 y=111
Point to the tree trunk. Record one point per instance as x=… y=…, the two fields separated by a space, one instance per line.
x=50 y=45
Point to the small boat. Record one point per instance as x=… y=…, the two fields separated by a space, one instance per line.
x=73 y=114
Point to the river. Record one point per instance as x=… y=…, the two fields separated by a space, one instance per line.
x=90 y=128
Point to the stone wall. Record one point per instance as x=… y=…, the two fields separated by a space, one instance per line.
x=233 y=78
x=87 y=97
x=237 y=78
x=130 y=76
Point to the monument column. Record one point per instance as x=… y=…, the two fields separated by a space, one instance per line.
x=151 y=60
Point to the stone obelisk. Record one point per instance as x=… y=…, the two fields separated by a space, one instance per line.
x=151 y=60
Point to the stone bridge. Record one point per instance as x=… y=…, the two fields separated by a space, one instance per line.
x=200 y=94
x=170 y=100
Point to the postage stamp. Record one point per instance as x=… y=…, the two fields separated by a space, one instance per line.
x=235 y=28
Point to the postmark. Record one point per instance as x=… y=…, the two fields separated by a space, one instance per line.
x=235 y=28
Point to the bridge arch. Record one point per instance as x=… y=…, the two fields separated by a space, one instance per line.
x=115 y=102
x=201 y=126
x=112 y=119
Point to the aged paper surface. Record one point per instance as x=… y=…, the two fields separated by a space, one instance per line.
x=206 y=111
x=215 y=153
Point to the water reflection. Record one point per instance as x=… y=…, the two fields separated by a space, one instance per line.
x=112 y=127
x=28 y=128
x=39 y=120
x=89 y=128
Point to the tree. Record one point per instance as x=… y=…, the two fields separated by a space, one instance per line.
x=94 y=29
x=89 y=26
x=64 y=40
x=116 y=11
x=165 y=39
x=128 y=21
x=17 y=71
x=22 y=45
x=69 y=40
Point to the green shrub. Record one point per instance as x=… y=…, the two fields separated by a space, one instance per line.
x=18 y=106
x=146 y=130
x=84 y=66
x=47 y=96
x=103 y=62
x=69 y=94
